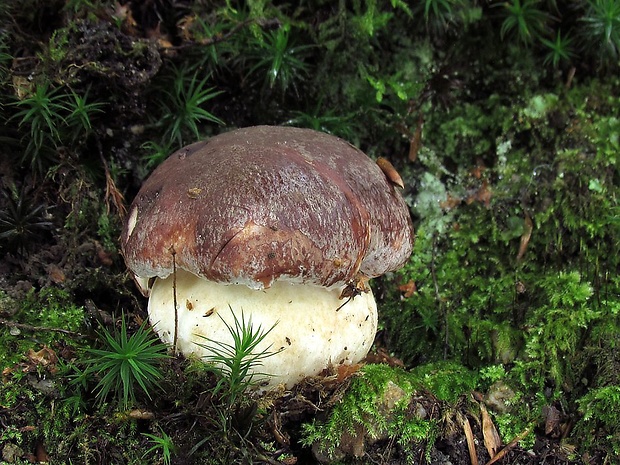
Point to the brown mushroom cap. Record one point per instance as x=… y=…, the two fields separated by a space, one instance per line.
x=263 y=203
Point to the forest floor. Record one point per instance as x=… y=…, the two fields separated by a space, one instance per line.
x=497 y=341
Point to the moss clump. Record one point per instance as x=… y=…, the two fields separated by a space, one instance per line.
x=97 y=50
x=366 y=413
x=54 y=308
x=40 y=313
x=42 y=422
x=446 y=380
x=601 y=419
x=384 y=402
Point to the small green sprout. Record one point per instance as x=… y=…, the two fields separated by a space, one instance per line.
x=560 y=50
x=126 y=364
x=182 y=106
x=234 y=363
x=525 y=20
x=162 y=443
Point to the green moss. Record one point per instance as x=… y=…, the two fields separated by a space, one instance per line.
x=514 y=188
x=65 y=435
x=57 y=48
x=446 y=380
x=469 y=131
x=383 y=402
x=515 y=263
x=54 y=308
x=364 y=406
x=515 y=424
x=601 y=419
x=48 y=308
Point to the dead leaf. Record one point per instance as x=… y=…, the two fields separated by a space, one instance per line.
x=383 y=356
x=121 y=11
x=552 y=419
x=346 y=371
x=485 y=194
x=112 y=193
x=163 y=40
x=23 y=87
x=450 y=202
x=41 y=454
x=165 y=43
x=184 y=25
x=138 y=414
x=276 y=428
x=528 y=226
x=105 y=258
x=408 y=289
x=390 y=172
x=477 y=171
x=45 y=357
x=123 y=15
x=482 y=195
x=55 y=273
x=491 y=437
x=6 y=372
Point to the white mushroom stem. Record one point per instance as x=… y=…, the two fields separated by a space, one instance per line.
x=311 y=332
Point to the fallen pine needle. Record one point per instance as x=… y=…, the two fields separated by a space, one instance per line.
x=473 y=457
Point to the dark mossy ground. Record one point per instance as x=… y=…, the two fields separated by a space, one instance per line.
x=500 y=337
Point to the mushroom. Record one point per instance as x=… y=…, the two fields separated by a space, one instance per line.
x=281 y=225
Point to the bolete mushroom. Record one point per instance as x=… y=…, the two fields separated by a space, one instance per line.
x=282 y=224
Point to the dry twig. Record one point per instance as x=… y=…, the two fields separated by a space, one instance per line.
x=36 y=329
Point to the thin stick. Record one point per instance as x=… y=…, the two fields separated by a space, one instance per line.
x=174 y=300
x=111 y=191
x=265 y=23
x=502 y=453
x=25 y=327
